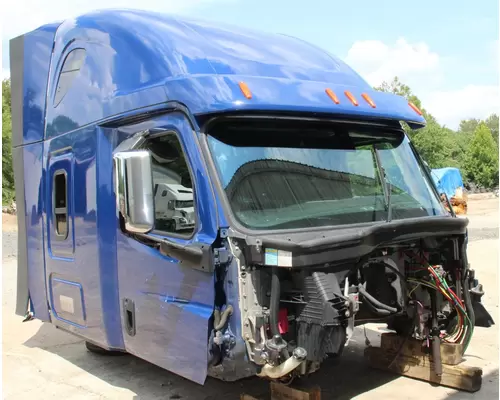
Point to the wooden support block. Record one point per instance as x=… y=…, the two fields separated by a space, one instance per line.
x=451 y=353
x=282 y=392
x=460 y=377
x=247 y=397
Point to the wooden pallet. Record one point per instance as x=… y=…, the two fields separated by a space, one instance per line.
x=282 y=392
x=414 y=362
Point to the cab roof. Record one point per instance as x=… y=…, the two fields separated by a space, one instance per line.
x=140 y=57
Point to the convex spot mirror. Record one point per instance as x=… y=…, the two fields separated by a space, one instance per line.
x=134 y=189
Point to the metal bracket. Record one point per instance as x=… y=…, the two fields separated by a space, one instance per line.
x=196 y=255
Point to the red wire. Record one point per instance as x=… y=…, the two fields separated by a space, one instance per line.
x=442 y=289
x=448 y=291
x=456 y=297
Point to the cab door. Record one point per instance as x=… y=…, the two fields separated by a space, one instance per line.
x=167 y=300
x=72 y=267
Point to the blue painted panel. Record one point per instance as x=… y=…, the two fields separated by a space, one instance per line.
x=137 y=59
x=34 y=190
x=84 y=267
x=116 y=77
x=37 y=55
x=67 y=300
x=210 y=94
x=172 y=307
x=173 y=303
x=160 y=46
x=106 y=236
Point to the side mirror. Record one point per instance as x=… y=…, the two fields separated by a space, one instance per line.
x=134 y=189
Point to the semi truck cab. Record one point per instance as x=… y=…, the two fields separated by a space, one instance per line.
x=220 y=201
x=174 y=206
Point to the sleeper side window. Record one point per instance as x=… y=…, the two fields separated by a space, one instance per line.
x=60 y=204
x=174 y=194
x=70 y=69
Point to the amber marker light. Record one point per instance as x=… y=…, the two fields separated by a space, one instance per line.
x=415 y=108
x=368 y=100
x=245 y=90
x=332 y=96
x=351 y=98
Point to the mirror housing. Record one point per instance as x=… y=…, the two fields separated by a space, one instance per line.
x=134 y=189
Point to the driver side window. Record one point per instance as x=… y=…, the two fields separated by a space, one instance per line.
x=173 y=186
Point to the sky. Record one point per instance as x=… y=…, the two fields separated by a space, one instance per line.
x=445 y=50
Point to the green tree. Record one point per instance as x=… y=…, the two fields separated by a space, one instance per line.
x=461 y=145
x=7 y=171
x=437 y=146
x=473 y=150
x=399 y=88
x=469 y=125
x=492 y=123
x=481 y=163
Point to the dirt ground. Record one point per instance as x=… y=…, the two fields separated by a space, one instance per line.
x=40 y=362
x=9 y=223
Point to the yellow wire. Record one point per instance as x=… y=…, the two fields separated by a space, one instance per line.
x=415 y=288
x=428 y=284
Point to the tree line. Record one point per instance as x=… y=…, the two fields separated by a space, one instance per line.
x=7 y=171
x=473 y=147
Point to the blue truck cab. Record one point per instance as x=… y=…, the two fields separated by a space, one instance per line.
x=214 y=200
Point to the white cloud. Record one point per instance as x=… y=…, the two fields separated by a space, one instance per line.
x=377 y=62
x=422 y=69
x=25 y=15
x=452 y=106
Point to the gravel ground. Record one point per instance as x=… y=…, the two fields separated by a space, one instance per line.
x=44 y=363
x=482 y=234
x=9 y=245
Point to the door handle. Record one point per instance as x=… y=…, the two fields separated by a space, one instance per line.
x=129 y=316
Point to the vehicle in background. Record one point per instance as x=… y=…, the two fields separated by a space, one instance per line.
x=174 y=207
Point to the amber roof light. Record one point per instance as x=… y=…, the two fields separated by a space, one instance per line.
x=332 y=96
x=245 y=90
x=351 y=98
x=415 y=108
x=368 y=100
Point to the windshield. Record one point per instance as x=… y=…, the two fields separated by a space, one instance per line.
x=184 y=203
x=287 y=176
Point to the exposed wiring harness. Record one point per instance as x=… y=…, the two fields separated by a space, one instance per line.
x=436 y=280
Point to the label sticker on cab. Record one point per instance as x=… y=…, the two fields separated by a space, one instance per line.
x=271 y=257
x=278 y=258
x=284 y=258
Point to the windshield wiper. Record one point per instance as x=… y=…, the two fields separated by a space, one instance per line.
x=387 y=187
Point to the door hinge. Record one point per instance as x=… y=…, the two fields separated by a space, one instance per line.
x=221 y=256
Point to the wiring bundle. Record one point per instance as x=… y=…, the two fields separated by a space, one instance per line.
x=436 y=281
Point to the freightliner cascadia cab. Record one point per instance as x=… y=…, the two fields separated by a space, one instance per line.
x=222 y=202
